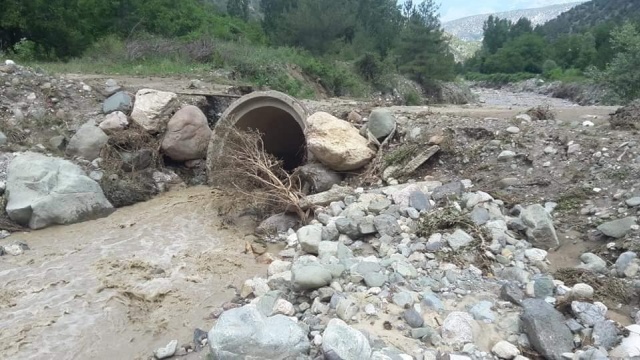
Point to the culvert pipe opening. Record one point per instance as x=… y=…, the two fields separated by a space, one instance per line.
x=280 y=119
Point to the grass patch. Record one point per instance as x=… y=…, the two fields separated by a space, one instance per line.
x=607 y=289
x=573 y=199
x=542 y=112
x=401 y=155
x=285 y=69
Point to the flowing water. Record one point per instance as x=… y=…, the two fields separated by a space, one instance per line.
x=120 y=287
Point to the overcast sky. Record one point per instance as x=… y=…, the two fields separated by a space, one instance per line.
x=455 y=9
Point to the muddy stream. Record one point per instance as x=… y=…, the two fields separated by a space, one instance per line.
x=120 y=287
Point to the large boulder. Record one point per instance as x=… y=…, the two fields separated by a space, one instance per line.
x=153 y=108
x=87 y=142
x=341 y=341
x=618 y=228
x=188 y=135
x=336 y=143
x=540 y=230
x=381 y=123
x=319 y=177
x=44 y=191
x=546 y=329
x=115 y=121
x=120 y=101
x=245 y=333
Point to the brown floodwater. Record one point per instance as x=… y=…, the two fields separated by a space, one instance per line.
x=120 y=287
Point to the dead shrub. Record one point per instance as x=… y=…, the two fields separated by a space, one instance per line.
x=132 y=183
x=626 y=118
x=256 y=178
x=154 y=47
x=5 y=222
x=542 y=112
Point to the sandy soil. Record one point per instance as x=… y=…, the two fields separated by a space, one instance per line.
x=120 y=287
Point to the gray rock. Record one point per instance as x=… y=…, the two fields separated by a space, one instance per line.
x=330 y=232
x=378 y=205
x=458 y=328
x=366 y=226
x=419 y=201
x=87 y=142
x=633 y=202
x=413 y=318
x=506 y=155
x=588 y=313
x=58 y=142
x=423 y=333
x=545 y=327
x=593 y=262
x=3 y=139
x=402 y=299
x=276 y=224
x=515 y=274
x=346 y=309
x=540 y=230
x=594 y=354
x=44 y=191
x=342 y=342
x=120 y=101
x=453 y=189
x=15 y=248
x=320 y=177
x=479 y=216
x=246 y=333
x=617 y=228
x=386 y=225
x=605 y=334
x=482 y=311
x=348 y=227
x=136 y=160
x=375 y=279
x=309 y=277
x=543 y=287
x=309 y=238
x=458 y=239
x=167 y=351
x=381 y=123
x=624 y=261
x=431 y=300
x=574 y=326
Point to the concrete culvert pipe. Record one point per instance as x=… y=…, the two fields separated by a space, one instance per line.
x=280 y=118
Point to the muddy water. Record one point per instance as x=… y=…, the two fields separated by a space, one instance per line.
x=119 y=287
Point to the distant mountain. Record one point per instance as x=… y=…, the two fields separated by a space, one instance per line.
x=592 y=13
x=470 y=28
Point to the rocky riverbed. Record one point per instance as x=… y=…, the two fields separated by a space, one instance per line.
x=514 y=236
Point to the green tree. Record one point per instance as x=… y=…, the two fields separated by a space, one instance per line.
x=496 y=33
x=622 y=74
x=423 y=52
x=238 y=8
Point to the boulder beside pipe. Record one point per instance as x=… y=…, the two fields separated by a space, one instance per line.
x=280 y=118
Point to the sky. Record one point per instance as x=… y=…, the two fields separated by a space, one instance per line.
x=455 y=9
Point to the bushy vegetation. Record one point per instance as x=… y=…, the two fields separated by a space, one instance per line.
x=346 y=47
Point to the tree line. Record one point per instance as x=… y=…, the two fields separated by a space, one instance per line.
x=376 y=35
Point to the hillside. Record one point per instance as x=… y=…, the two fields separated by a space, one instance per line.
x=592 y=13
x=470 y=28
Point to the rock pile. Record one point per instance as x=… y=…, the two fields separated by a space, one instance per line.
x=421 y=270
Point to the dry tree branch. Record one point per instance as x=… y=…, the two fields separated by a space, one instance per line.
x=257 y=176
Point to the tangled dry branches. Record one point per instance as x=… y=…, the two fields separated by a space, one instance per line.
x=257 y=176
